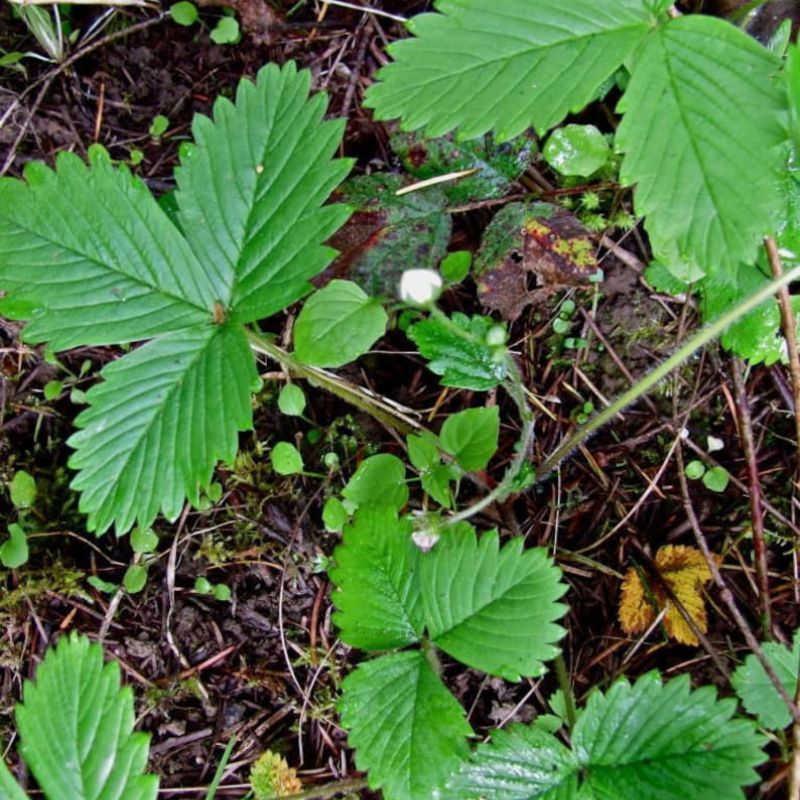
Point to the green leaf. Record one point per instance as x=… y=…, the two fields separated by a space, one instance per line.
x=577 y=150
x=184 y=13
x=338 y=324
x=471 y=436
x=436 y=482
x=459 y=352
x=89 y=257
x=654 y=741
x=143 y=540
x=251 y=192
x=226 y=31
x=481 y=68
x=379 y=481
x=158 y=126
x=491 y=608
x=423 y=451
x=291 y=400
x=665 y=742
x=455 y=266
x=9 y=788
x=52 y=390
x=521 y=763
x=286 y=459
x=22 y=489
x=716 y=479
x=378 y=599
x=135 y=578
x=755 y=689
x=76 y=728
x=705 y=165
x=408 y=731
x=14 y=551
x=165 y=414
x=695 y=470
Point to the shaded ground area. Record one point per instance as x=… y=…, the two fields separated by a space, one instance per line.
x=266 y=666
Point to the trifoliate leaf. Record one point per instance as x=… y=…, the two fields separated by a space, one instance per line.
x=164 y=415
x=685 y=571
x=471 y=436
x=705 y=163
x=492 y=608
x=649 y=740
x=507 y=65
x=251 y=192
x=408 y=731
x=459 y=352
x=338 y=324
x=94 y=259
x=577 y=150
x=76 y=728
x=286 y=459
x=755 y=689
x=390 y=233
x=379 y=481
x=665 y=742
x=378 y=599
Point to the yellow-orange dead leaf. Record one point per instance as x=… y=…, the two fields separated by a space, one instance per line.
x=685 y=571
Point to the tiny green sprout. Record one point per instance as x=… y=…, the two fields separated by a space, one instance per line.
x=560 y=325
x=313 y=436
x=716 y=479
x=598 y=277
x=291 y=400
x=159 y=126
x=143 y=540
x=286 y=459
x=567 y=308
x=135 y=157
x=135 y=578
x=14 y=550
x=106 y=587
x=321 y=564
x=226 y=31
x=22 y=489
x=586 y=410
x=575 y=343
x=184 y=13
x=202 y=585
x=52 y=390
x=222 y=592
x=331 y=460
x=694 y=470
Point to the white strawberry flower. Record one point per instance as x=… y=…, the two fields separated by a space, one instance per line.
x=420 y=287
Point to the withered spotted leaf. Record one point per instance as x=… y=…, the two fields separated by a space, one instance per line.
x=529 y=251
x=685 y=571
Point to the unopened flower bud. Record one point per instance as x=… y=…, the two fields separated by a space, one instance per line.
x=420 y=287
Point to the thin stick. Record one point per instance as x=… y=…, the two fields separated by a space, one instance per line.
x=727 y=595
x=789 y=325
x=756 y=512
x=649 y=381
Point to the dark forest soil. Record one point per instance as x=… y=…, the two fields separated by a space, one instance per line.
x=267 y=665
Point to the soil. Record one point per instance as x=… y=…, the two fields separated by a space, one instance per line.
x=266 y=666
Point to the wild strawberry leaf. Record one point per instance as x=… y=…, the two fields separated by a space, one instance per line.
x=755 y=689
x=471 y=436
x=506 y=65
x=87 y=256
x=9 y=788
x=492 y=608
x=251 y=193
x=76 y=728
x=378 y=600
x=159 y=422
x=653 y=740
x=408 y=731
x=704 y=162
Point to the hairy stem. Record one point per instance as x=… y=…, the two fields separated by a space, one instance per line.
x=649 y=381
